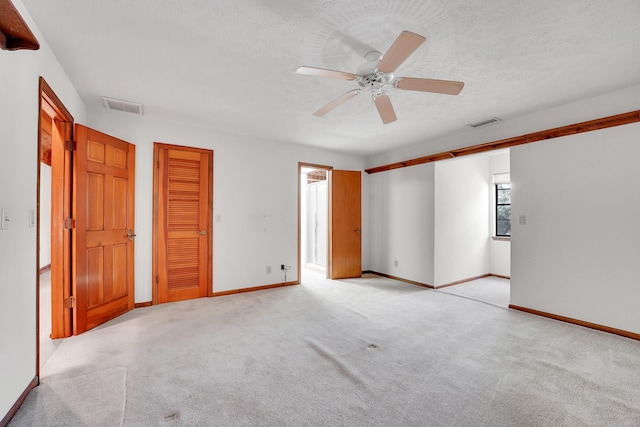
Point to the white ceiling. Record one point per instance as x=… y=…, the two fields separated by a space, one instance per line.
x=229 y=64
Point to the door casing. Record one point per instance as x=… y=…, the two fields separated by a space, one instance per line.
x=61 y=177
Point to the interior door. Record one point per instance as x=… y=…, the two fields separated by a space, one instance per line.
x=103 y=209
x=183 y=222
x=346 y=224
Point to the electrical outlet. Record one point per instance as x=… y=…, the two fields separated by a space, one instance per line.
x=523 y=219
x=268 y=269
x=395 y=263
x=4 y=219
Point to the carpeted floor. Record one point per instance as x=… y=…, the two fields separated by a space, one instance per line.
x=492 y=290
x=361 y=352
x=47 y=345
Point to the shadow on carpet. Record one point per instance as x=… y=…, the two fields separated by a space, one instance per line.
x=96 y=399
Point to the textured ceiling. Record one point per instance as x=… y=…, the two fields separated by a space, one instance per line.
x=229 y=64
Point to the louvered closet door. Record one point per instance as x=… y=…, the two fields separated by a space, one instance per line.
x=184 y=208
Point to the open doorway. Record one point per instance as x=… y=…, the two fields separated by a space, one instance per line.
x=314 y=221
x=329 y=222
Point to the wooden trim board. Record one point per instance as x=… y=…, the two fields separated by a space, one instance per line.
x=459 y=282
x=254 y=288
x=588 y=126
x=143 y=304
x=400 y=279
x=426 y=285
x=14 y=409
x=596 y=326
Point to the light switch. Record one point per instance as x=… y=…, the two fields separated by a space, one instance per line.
x=218 y=218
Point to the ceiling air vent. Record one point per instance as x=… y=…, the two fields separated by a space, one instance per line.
x=484 y=122
x=122 y=105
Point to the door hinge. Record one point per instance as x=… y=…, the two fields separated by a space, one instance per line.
x=69 y=223
x=70 y=145
x=70 y=302
x=156 y=280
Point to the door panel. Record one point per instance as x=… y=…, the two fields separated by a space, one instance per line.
x=104 y=212
x=184 y=207
x=346 y=207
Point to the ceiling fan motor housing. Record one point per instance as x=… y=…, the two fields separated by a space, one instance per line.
x=375 y=78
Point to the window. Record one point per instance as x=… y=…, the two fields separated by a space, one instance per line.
x=502 y=184
x=503 y=209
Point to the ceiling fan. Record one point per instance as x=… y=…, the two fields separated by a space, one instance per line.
x=377 y=74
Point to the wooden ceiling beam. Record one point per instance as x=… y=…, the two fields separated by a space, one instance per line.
x=588 y=126
x=14 y=32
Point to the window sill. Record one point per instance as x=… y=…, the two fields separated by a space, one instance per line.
x=502 y=238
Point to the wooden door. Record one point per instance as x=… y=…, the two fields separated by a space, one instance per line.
x=346 y=224
x=103 y=207
x=183 y=211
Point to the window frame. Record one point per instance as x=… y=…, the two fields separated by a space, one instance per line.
x=498 y=204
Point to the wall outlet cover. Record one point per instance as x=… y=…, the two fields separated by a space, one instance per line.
x=4 y=219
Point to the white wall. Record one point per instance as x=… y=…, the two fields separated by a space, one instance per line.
x=579 y=253
x=402 y=219
x=436 y=220
x=45 y=215
x=499 y=250
x=255 y=195
x=19 y=72
x=461 y=235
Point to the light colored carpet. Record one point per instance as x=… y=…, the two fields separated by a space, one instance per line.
x=95 y=399
x=492 y=290
x=361 y=352
x=47 y=345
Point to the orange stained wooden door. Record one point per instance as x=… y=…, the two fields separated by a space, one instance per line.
x=184 y=208
x=346 y=224
x=103 y=207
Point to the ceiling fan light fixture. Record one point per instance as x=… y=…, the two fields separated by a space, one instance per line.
x=379 y=72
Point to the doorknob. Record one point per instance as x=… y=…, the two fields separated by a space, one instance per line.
x=358 y=230
x=202 y=232
x=131 y=235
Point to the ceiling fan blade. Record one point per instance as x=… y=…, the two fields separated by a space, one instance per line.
x=385 y=109
x=336 y=102
x=406 y=43
x=322 y=72
x=447 y=87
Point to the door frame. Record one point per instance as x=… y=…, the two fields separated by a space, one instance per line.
x=61 y=319
x=157 y=146
x=328 y=169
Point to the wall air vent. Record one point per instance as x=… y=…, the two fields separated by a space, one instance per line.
x=484 y=122
x=121 y=105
